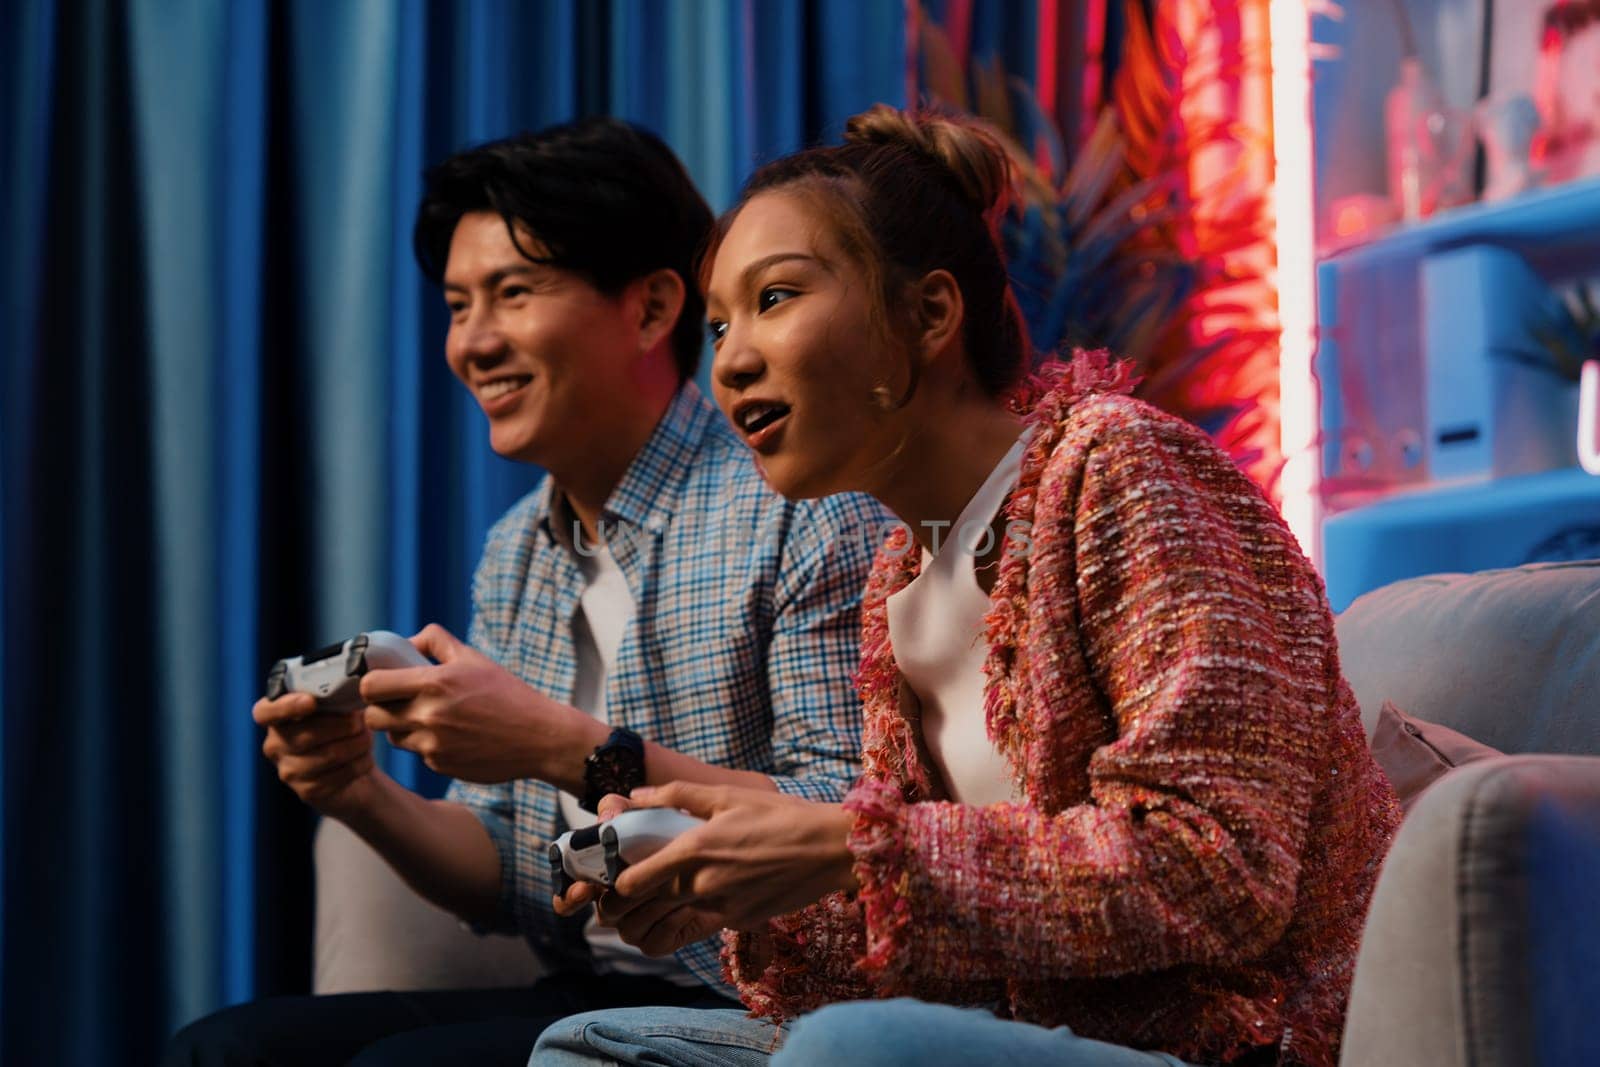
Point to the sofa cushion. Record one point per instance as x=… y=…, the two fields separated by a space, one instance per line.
x=1415 y=754
x=373 y=932
x=1509 y=657
x=1481 y=946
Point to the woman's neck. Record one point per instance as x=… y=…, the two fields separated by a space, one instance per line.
x=948 y=455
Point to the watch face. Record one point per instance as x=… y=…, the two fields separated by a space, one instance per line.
x=615 y=767
x=622 y=763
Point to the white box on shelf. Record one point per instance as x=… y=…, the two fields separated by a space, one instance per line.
x=1496 y=404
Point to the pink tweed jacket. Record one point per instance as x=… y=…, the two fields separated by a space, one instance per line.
x=1202 y=823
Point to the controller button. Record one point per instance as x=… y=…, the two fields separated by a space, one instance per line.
x=321 y=654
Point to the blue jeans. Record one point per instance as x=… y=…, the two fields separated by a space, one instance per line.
x=874 y=1033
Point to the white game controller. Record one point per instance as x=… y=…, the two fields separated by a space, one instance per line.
x=333 y=674
x=600 y=852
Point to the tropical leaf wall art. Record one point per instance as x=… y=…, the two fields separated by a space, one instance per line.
x=1150 y=235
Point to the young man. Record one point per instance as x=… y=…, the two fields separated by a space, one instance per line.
x=651 y=613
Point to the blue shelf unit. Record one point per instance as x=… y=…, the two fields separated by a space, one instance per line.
x=1532 y=518
x=1434 y=382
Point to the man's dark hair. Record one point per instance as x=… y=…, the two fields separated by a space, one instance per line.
x=608 y=200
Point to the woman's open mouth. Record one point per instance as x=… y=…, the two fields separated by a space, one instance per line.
x=761 y=422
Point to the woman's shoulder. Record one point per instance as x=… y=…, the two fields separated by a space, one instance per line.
x=1085 y=406
x=1103 y=454
x=1081 y=407
x=1090 y=393
x=1054 y=390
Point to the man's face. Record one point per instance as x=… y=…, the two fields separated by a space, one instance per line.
x=542 y=350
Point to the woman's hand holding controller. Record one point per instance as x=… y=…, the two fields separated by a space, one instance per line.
x=760 y=854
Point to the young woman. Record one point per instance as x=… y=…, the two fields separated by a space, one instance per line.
x=1116 y=791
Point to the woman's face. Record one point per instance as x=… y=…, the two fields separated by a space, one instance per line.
x=800 y=361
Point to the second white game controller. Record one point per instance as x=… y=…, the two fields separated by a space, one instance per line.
x=333 y=674
x=600 y=852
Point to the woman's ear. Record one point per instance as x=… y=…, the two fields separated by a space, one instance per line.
x=939 y=313
x=661 y=296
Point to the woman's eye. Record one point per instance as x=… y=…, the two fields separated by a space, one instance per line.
x=717 y=329
x=772 y=296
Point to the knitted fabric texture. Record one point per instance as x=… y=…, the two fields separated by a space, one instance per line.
x=1202 y=824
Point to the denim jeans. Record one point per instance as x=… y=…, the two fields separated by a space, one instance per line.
x=660 y=1037
x=873 y=1033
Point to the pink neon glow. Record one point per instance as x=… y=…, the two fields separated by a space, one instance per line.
x=1047 y=63
x=1049 y=29
x=958 y=27
x=1094 y=47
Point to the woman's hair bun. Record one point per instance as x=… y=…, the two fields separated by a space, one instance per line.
x=972 y=155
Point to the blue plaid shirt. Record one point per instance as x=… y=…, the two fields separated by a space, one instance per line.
x=740 y=654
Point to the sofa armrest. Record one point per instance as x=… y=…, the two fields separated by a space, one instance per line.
x=1482 y=945
x=373 y=932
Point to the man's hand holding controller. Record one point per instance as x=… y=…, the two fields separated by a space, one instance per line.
x=317 y=736
x=465 y=716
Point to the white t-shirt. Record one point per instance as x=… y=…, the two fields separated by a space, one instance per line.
x=937 y=631
x=605 y=609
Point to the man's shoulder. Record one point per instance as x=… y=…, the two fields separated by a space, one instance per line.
x=721 y=455
x=844 y=511
x=724 y=479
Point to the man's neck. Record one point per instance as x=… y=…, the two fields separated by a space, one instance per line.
x=589 y=481
x=587 y=514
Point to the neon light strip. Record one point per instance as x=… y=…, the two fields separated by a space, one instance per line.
x=1589 y=417
x=1292 y=194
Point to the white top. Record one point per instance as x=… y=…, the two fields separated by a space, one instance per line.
x=605 y=609
x=938 y=635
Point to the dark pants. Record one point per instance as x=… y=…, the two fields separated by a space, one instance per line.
x=478 y=1026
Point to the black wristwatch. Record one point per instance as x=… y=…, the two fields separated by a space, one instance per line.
x=614 y=767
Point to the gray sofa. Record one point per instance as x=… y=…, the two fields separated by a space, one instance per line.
x=1483 y=944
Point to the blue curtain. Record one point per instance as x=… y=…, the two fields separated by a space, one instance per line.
x=228 y=432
